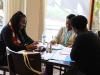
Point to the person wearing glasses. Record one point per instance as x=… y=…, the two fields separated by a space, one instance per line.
x=14 y=36
x=66 y=35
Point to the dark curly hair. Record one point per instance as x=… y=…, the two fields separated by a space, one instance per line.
x=15 y=21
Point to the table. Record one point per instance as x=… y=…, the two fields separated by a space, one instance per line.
x=50 y=63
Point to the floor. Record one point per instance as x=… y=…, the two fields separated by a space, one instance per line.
x=55 y=72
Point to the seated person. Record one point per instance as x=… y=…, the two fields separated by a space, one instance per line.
x=14 y=36
x=98 y=33
x=66 y=35
x=85 y=50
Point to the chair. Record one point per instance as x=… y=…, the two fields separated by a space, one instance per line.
x=4 y=69
x=18 y=65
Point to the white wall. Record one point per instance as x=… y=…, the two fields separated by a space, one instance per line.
x=32 y=13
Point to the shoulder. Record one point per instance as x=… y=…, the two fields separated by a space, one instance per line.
x=62 y=28
x=85 y=35
x=6 y=29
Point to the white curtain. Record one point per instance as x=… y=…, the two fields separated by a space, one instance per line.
x=11 y=7
x=43 y=4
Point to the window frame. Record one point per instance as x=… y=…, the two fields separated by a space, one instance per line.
x=91 y=10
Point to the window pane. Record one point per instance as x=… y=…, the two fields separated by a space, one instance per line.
x=56 y=13
x=96 y=16
x=1 y=14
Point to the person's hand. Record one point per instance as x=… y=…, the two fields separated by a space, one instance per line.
x=53 y=42
x=32 y=46
x=35 y=43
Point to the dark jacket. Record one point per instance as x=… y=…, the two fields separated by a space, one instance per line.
x=6 y=40
x=86 y=51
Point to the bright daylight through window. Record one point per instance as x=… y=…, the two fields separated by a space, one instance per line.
x=1 y=14
x=56 y=13
x=96 y=16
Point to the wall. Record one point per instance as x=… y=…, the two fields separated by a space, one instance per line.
x=32 y=13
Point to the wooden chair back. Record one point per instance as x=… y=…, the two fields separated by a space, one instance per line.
x=17 y=64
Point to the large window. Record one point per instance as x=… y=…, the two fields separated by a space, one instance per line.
x=56 y=13
x=1 y=14
x=96 y=16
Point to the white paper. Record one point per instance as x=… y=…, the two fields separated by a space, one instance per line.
x=59 y=57
x=46 y=56
x=57 y=46
x=40 y=44
x=23 y=51
x=65 y=51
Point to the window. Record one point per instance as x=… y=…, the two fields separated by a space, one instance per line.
x=56 y=13
x=96 y=16
x=1 y=14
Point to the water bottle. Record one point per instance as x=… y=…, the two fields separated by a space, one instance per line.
x=43 y=38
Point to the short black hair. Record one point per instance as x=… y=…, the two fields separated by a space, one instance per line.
x=70 y=16
x=79 y=22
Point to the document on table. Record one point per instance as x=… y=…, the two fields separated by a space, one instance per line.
x=65 y=51
x=58 y=56
x=46 y=56
x=57 y=46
